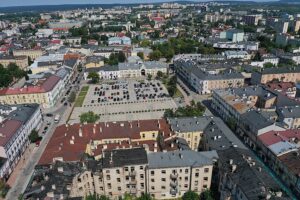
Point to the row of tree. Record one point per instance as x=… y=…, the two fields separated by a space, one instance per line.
x=194 y=110
x=189 y=195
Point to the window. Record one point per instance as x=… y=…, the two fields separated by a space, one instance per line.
x=152 y=188
x=197 y=174
x=185 y=185
x=109 y=185
x=163 y=179
x=152 y=180
x=205 y=178
x=119 y=188
x=152 y=173
x=108 y=177
x=118 y=171
x=204 y=186
x=118 y=180
x=126 y=169
x=163 y=171
x=163 y=187
x=186 y=171
x=206 y=170
x=153 y=135
x=141 y=167
x=186 y=178
x=142 y=185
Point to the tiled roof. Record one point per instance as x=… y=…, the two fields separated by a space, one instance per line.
x=7 y=129
x=46 y=86
x=60 y=143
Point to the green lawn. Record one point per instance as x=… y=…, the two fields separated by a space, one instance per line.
x=81 y=96
x=177 y=94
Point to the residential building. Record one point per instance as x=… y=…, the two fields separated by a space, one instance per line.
x=284 y=74
x=203 y=81
x=94 y=61
x=45 y=92
x=290 y=115
x=233 y=35
x=21 y=61
x=32 y=53
x=119 y=41
x=17 y=122
x=252 y=19
x=163 y=175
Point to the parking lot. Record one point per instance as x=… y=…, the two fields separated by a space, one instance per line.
x=126 y=100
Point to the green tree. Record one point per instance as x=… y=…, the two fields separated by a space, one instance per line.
x=141 y=55
x=168 y=113
x=34 y=136
x=190 y=195
x=145 y=43
x=3 y=188
x=72 y=97
x=159 y=75
x=121 y=56
x=89 y=117
x=94 y=76
x=268 y=65
x=149 y=77
x=145 y=197
x=155 y=55
x=206 y=195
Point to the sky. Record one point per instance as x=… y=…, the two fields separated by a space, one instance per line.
x=6 y=3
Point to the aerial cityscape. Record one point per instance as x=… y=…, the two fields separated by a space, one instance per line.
x=150 y=100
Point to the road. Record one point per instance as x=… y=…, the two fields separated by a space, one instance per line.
x=27 y=170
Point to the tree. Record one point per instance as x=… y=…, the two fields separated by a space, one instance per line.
x=145 y=197
x=3 y=188
x=141 y=55
x=121 y=56
x=34 y=136
x=72 y=97
x=159 y=74
x=155 y=55
x=89 y=117
x=190 y=195
x=207 y=195
x=149 y=77
x=268 y=65
x=94 y=76
x=145 y=43
x=96 y=197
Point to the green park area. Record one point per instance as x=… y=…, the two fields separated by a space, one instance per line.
x=81 y=96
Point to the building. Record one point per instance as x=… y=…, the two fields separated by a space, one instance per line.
x=65 y=24
x=32 y=53
x=252 y=19
x=163 y=175
x=286 y=88
x=119 y=41
x=21 y=61
x=290 y=115
x=233 y=35
x=216 y=17
x=284 y=74
x=242 y=176
x=243 y=55
x=45 y=92
x=94 y=61
x=203 y=79
x=16 y=124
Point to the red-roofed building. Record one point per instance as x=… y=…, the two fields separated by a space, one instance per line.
x=44 y=92
x=70 y=142
x=286 y=88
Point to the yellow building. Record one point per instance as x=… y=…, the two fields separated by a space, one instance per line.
x=32 y=53
x=21 y=61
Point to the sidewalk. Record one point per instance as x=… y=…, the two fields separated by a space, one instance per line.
x=20 y=166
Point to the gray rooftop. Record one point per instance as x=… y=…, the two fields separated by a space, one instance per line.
x=187 y=158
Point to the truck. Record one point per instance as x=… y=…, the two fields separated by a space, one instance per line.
x=57 y=118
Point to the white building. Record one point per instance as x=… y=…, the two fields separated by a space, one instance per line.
x=16 y=126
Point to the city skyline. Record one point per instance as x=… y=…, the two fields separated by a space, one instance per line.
x=14 y=3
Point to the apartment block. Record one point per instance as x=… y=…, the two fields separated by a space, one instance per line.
x=31 y=53
x=21 y=61
x=45 y=92
x=163 y=175
x=284 y=74
x=16 y=124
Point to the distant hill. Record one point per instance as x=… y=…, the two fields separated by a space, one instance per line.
x=290 y=1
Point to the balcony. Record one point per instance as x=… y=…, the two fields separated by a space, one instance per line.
x=173 y=192
x=173 y=184
x=132 y=173
x=174 y=175
x=133 y=191
x=132 y=181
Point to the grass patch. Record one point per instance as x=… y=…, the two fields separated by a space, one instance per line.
x=81 y=96
x=177 y=94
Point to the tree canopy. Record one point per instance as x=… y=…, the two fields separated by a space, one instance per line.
x=89 y=117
